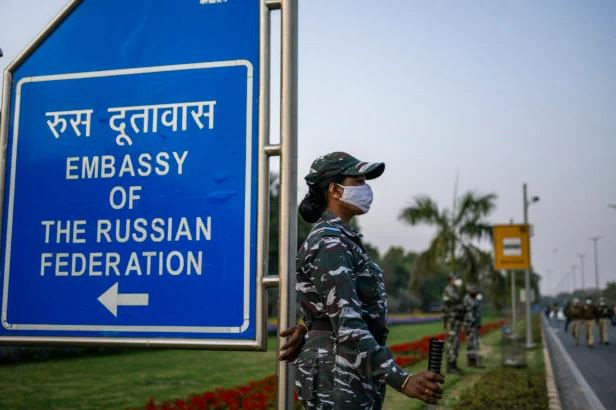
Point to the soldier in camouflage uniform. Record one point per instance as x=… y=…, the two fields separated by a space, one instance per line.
x=588 y=316
x=343 y=362
x=453 y=307
x=472 y=324
x=605 y=315
x=574 y=316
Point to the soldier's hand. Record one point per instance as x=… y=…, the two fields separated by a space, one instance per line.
x=290 y=350
x=425 y=386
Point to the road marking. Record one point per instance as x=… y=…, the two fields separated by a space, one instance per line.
x=590 y=395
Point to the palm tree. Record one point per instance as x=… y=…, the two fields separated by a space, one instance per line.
x=453 y=246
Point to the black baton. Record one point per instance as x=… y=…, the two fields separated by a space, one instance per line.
x=435 y=359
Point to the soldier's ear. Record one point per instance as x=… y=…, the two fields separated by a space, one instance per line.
x=334 y=190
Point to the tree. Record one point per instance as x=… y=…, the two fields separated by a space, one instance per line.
x=396 y=264
x=453 y=246
x=431 y=292
x=610 y=292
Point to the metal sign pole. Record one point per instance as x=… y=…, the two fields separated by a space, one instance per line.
x=513 y=317
x=529 y=329
x=288 y=190
x=513 y=310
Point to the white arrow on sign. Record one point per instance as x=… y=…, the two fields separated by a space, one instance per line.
x=111 y=299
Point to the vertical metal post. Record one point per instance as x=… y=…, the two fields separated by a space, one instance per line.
x=264 y=181
x=529 y=329
x=288 y=190
x=595 y=239
x=513 y=310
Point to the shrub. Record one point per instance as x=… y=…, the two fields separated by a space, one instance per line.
x=525 y=390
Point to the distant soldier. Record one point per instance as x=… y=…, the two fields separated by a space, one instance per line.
x=605 y=314
x=573 y=313
x=567 y=312
x=472 y=324
x=588 y=314
x=453 y=307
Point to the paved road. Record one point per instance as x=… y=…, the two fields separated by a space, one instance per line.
x=597 y=366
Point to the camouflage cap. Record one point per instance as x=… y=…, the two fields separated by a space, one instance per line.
x=341 y=163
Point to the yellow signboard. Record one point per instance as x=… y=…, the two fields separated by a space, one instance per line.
x=511 y=246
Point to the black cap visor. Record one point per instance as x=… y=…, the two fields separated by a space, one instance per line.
x=370 y=169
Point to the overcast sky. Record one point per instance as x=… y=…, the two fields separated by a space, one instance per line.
x=504 y=92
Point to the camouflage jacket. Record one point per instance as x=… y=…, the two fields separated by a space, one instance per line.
x=453 y=304
x=472 y=313
x=605 y=311
x=588 y=311
x=337 y=280
x=573 y=311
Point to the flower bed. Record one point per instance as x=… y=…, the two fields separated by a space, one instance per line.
x=261 y=394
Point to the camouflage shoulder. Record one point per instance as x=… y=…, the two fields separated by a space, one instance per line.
x=323 y=229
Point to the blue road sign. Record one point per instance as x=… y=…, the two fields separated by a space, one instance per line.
x=131 y=178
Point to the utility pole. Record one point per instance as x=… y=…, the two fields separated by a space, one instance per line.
x=529 y=329
x=595 y=239
x=573 y=269
x=582 y=256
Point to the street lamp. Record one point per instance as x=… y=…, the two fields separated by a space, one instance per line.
x=582 y=256
x=595 y=239
x=529 y=329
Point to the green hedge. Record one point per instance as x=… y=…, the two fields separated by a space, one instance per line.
x=506 y=389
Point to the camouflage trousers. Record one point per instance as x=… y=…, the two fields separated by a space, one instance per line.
x=604 y=324
x=576 y=324
x=326 y=379
x=452 y=344
x=472 y=342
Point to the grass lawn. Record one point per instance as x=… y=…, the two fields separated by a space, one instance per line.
x=127 y=380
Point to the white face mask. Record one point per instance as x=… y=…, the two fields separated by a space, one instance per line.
x=479 y=296
x=359 y=196
x=457 y=282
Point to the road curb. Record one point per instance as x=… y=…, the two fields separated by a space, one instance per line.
x=553 y=396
